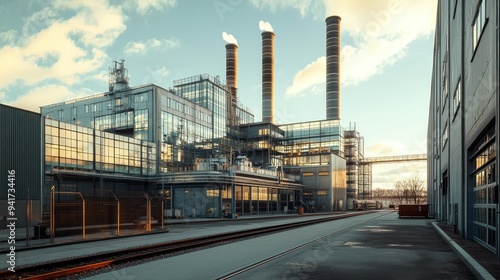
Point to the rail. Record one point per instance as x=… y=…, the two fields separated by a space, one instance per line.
x=65 y=268
x=394 y=159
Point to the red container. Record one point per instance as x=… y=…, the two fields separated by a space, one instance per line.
x=413 y=210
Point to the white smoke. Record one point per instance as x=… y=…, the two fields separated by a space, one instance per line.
x=265 y=26
x=229 y=38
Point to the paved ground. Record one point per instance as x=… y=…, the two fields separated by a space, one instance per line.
x=383 y=248
x=472 y=254
x=421 y=238
x=181 y=230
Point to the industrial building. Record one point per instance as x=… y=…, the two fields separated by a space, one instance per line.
x=464 y=121
x=192 y=150
x=20 y=162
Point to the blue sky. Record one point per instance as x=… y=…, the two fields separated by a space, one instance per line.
x=61 y=50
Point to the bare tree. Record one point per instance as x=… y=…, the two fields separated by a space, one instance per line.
x=400 y=191
x=410 y=190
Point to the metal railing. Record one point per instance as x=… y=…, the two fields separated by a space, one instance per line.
x=391 y=159
x=53 y=212
x=107 y=214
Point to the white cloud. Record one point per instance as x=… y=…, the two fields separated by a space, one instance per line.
x=386 y=148
x=381 y=30
x=145 y=7
x=43 y=95
x=384 y=17
x=385 y=175
x=359 y=63
x=39 y=20
x=142 y=47
x=156 y=75
x=135 y=48
x=305 y=7
x=8 y=37
x=62 y=49
x=312 y=75
x=101 y=76
x=162 y=72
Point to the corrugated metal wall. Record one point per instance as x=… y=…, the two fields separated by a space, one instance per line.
x=20 y=151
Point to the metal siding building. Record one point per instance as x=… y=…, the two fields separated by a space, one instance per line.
x=20 y=151
x=464 y=120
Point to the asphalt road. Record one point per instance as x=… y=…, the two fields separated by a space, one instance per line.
x=363 y=247
x=383 y=248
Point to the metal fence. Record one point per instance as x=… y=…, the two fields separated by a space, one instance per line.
x=76 y=216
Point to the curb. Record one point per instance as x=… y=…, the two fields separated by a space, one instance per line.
x=479 y=271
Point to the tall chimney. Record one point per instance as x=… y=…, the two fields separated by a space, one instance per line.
x=267 y=76
x=232 y=70
x=333 y=68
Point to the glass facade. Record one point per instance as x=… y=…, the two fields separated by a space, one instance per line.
x=72 y=147
x=141 y=124
x=315 y=140
x=125 y=119
x=184 y=140
x=485 y=192
x=209 y=93
x=159 y=133
x=197 y=119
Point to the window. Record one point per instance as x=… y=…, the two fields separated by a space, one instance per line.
x=479 y=23
x=212 y=192
x=106 y=105
x=445 y=93
x=444 y=79
x=445 y=135
x=264 y=131
x=141 y=97
x=96 y=107
x=141 y=124
x=457 y=97
x=86 y=108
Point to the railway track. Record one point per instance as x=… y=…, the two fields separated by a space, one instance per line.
x=68 y=267
x=292 y=250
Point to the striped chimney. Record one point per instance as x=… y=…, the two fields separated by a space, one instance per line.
x=333 y=68
x=267 y=76
x=232 y=70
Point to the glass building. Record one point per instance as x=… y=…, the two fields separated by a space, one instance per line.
x=194 y=145
x=163 y=142
x=310 y=143
x=315 y=151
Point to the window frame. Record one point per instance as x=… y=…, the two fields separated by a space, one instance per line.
x=457 y=101
x=478 y=30
x=445 y=136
